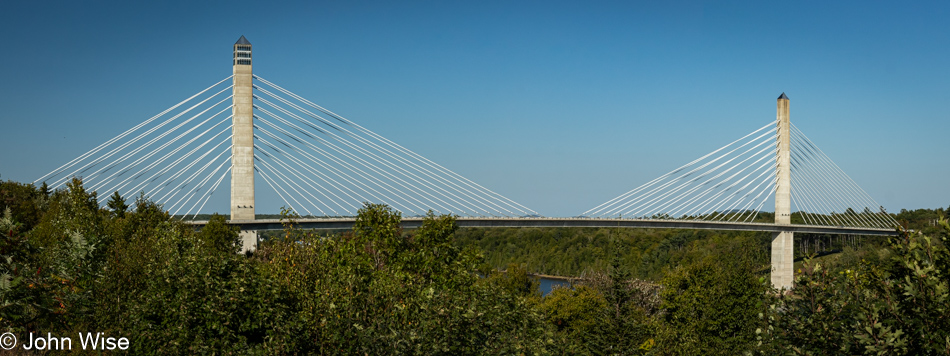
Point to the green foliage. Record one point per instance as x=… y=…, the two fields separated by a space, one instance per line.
x=712 y=307
x=516 y=280
x=565 y=252
x=179 y=298
x=817 y=317
x=378 y=291
x=579 y=315
x=645 y=253
x=608 y=313
x=117 y=204
x=173 y=290
x=26 y=204
x=49 y=270
x=24 y=290
x=67 y=266
x=630 y=304
x=922 y=220
x=218 y=236
x=147 y=213
x=895 y=305
x=586 y=322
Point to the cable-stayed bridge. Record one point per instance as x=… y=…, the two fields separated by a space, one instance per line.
x=323 y=166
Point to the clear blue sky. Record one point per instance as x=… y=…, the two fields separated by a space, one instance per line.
x=557 y=105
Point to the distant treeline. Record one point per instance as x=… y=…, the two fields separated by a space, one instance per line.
x=645 y=253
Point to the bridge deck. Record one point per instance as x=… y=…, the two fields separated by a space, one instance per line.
x=413 y=222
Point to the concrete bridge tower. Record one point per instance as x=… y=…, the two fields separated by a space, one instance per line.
x=242 y=140
x=783 y=247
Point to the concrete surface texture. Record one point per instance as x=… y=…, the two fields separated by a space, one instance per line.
x=783 y=246
x=242 y=149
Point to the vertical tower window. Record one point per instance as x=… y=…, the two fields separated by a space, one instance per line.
x=242 y=55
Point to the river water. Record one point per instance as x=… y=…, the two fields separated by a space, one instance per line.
x=547 y=284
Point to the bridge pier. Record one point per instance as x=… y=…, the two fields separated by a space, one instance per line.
x=783 y=246
x=248 y=240
x=783 y=259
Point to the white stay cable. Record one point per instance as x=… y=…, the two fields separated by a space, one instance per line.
x=740 y=200
x=676 y=211
x=135 y=139
x=152 y=152
x=184 y=185
x=752 y=216
x=698 y=209
x=734 y=196
x=201 y=183
x=758 y=208
x=305 y=178
x=267 y=180
x=426 y=161
x=609 y=203
x=344 y=163
x=373 y=168
x=846 y=179
x=155 y=191
x=770 y=187
x=210 y=193
x=293 y=186
x=635 y=210
x=844 y=182
x=813 y=188
x=833 y=181
x=800 y=208
x=828 y=187
x=131 y=178
x=443 y=182
x=142 y=147
x=324 y=177
x=127 y=132
x=302 y=178
x=802 y=185
x=383 y=161
x=804 y=207
x=628 y=207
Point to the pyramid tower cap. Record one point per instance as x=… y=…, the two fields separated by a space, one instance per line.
x=780 y=97
x=242 y=41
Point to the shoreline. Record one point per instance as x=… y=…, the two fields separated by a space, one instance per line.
x=549 y=276
x=560 y=278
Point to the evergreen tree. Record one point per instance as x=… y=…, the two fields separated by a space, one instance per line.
x=627 y=325
x=116 y=203
x=44 y=189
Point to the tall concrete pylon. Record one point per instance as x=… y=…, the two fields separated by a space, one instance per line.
x=783 y=246
x=242 y=141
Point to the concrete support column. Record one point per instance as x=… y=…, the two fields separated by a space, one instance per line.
x=783 y=246
x=783 y=259
x=248 y=240
x=242 y=149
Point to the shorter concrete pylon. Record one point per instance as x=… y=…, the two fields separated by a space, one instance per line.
x=783 y=243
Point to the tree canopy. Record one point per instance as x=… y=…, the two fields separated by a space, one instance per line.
x=68 y=265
